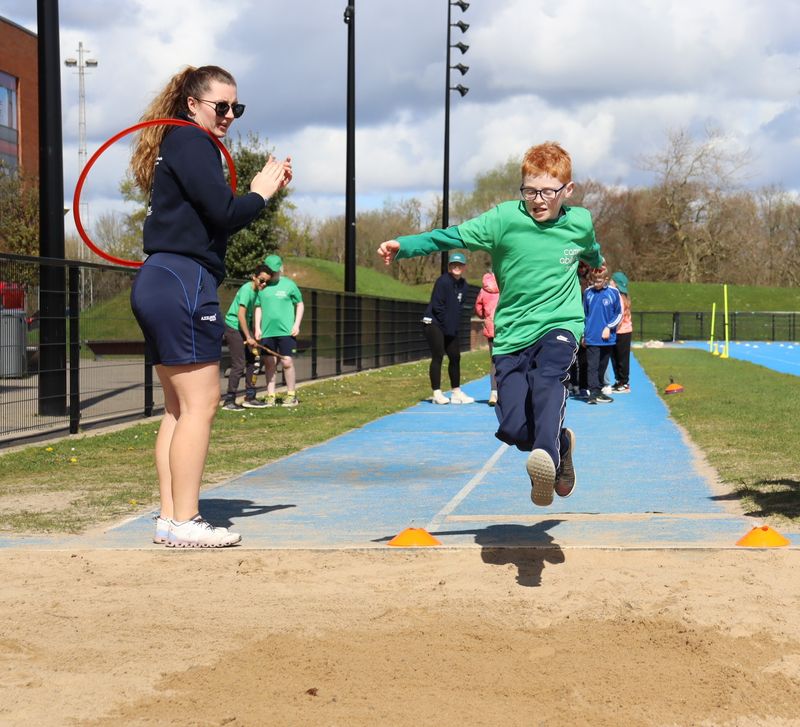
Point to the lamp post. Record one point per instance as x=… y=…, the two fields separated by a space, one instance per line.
x=462 y=69
x=350 y=165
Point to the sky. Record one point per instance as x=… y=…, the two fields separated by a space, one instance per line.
x=608 y=80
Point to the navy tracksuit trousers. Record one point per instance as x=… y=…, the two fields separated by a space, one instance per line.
x=532 y=394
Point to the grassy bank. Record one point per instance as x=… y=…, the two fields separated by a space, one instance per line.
x=743 y=417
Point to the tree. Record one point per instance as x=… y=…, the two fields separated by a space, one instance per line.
x=692 y=179
x=19 y=212
x=497 y=185
x=272 y=229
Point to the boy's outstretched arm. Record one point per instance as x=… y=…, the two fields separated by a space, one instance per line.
x=388 y=251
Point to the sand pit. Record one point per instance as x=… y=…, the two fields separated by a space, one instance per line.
x=434 y=636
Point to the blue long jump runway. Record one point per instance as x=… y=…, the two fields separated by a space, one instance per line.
x=782 y=356
x=440 y=467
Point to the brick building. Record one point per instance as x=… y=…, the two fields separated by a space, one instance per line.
x=19 y=97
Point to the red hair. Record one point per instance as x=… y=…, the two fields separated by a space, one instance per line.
x=548 y=158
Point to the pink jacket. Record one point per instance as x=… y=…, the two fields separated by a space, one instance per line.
x=486 y=303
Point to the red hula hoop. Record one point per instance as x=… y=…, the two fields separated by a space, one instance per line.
x=76 y=199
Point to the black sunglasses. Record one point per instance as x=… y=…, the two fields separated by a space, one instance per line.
x=221 y=107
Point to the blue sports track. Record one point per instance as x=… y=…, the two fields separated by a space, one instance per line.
x=640 y=485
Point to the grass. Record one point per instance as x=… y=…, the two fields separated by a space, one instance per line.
x=698 y=297
x=743 y=417
x=69 y=485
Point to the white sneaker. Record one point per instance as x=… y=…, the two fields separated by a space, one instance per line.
x=459 y=397
x=493 y=398
x=606 y=390
x=439 y=398
x=197 y=533
x=162 y=530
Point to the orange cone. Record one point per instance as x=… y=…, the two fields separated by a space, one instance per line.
x=414 y=538
x=672 y=387
x=763 y=537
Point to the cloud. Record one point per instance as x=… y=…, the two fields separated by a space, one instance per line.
x=608 y=80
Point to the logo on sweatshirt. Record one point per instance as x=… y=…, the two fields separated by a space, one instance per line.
x=570 y=255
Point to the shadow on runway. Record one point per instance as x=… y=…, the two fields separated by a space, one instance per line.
x=222 y=512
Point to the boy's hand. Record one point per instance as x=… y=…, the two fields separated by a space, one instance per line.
x=388 y=251
x=605 y=333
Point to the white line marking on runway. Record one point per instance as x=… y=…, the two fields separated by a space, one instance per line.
x=440 y=516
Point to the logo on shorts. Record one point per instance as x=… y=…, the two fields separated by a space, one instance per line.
x=211 y=318
x=562 y=338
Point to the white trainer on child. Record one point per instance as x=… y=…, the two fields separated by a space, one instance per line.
x=439 y=398
x=459 y=397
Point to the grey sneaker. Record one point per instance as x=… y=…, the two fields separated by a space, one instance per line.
x=290 y=400
x=232 y=406
x=542 y=472
x=162 y=529
x=254 y=404
x=603 y=398
x=197 y=533
x=565 y=484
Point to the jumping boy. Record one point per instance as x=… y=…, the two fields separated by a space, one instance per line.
x=535 y=246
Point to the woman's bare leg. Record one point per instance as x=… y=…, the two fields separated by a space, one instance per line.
x=196 y=389
x=164 y=442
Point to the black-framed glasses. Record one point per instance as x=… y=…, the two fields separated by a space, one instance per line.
x=529 y=194
x=221 y=107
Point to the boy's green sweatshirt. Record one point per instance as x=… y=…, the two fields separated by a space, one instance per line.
x=535 y=264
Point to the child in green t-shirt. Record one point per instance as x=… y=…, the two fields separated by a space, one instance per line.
x=241 y=341
x=535 y=245
x=277 y=323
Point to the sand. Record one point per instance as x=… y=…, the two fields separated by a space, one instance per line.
x=403 y=637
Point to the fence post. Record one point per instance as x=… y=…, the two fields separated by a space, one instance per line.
x=74 y=351
x=314 y=333
x=149 y=403
x=676 y=324
x=338 y=335
x=377 y=332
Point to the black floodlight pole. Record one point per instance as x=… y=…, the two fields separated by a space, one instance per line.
x=350 y=187
x=462 y=26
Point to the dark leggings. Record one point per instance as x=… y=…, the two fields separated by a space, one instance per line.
x=621 y=358
x=441 y=345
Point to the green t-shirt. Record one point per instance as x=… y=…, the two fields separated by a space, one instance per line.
x=247 y=296
x=535 y=264
x=278 y=301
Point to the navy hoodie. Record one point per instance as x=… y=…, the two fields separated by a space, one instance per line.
x=192 y=208
x=444 y=308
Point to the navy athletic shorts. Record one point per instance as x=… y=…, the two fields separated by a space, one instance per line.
x=284 y=345
x=174 y=299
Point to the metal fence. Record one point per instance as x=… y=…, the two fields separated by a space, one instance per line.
x=72 y=355
x=743 y=326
